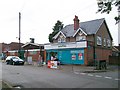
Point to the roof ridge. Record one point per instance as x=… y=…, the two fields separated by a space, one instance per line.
x=93 y=20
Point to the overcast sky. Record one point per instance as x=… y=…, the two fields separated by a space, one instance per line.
x=39 y=16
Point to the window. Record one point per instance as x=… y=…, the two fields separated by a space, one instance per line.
x=104 y=41
x=79 y=38
x=108 y=43
x=99 y=40
x=61 y=39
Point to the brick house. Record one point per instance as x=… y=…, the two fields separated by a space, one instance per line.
x=10 y=49
x=33 y=50
x=81 y=43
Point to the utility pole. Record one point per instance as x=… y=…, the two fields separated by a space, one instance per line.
x=19 y=52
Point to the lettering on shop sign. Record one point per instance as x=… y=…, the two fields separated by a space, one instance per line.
x=62 y=46
x=76 y=51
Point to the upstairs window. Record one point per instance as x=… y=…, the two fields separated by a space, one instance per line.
x=99 y=40
x=80 y=38
x=104 y=42
x=108 y=42
x=61 y=39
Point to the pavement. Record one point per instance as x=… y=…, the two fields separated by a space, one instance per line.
x=81 y=68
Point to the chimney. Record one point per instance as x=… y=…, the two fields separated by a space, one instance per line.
x=76 y=23
x=32 y=40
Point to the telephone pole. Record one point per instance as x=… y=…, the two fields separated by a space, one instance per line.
x=19 y=35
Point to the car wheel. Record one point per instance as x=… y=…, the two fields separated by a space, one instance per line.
x=7 y=62
x=13 y=63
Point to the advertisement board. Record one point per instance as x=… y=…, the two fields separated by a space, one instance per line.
x=52 y=64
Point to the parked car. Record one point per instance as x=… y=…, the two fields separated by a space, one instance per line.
x=14 y=60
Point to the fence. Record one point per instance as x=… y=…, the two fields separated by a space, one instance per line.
x=114 y=60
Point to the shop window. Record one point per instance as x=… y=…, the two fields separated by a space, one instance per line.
x=99 y=40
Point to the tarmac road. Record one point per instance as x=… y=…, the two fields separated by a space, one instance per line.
x=29 y=76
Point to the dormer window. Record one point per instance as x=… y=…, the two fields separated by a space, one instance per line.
x=80 y=38
x=61 y=39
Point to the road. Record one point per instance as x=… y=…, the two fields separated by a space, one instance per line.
x=42 y=77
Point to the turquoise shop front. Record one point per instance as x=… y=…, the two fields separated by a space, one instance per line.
x=67 y=56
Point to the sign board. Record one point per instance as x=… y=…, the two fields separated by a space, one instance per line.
x=52 y=64
x=82 y=44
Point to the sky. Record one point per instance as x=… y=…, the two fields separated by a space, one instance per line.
x=39 y=16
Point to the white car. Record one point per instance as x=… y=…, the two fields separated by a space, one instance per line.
x=14 y=60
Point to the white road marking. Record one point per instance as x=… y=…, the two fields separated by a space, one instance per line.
x=117 y=79
x=108 y=77
x=98 y=76
x=76 y=72
x=90 y=75
x=82 y=73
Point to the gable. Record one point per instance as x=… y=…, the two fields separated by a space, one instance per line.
x=104 y=31
x=79 y=32
x=59 y=33
x=31 y=46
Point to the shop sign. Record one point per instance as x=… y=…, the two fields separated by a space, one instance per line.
x=82 y=44
x=52 y=64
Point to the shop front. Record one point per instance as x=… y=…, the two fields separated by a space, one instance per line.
x=67 y=53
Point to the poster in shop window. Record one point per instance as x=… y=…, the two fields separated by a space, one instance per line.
x=73 y=57
x=80 y=56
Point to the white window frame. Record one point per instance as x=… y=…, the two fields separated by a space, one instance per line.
x=99 y=40
x=108 y=43
x=104 y=42
x=61 y=39
x=80 y=38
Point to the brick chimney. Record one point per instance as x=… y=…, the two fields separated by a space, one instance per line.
x=76 y=22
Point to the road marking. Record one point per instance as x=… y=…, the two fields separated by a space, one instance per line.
x=98 y=76
x=117 y=79
x=82 y=73
x=108 y=77
x=76 y=72
x=90 y=75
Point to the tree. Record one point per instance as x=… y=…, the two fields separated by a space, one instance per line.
x=58 y=26
x=105 y=6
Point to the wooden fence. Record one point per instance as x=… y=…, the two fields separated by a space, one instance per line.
x=114 y=60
